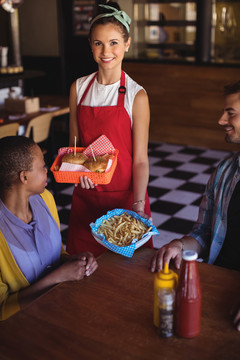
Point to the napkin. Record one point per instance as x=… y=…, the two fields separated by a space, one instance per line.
x=50 y=108
x=16 y=117
x=100 y=147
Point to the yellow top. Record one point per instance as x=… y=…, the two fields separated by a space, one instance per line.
x=166 y=278
x=11 y=278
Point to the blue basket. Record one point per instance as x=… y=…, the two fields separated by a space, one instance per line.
x=123 y=250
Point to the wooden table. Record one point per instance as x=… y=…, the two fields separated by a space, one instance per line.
x=109 y=316
x=45 y=100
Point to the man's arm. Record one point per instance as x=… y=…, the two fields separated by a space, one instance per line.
x=173 y=251
x=198 y=239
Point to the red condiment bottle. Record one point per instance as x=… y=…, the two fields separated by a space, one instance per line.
x=188 y=297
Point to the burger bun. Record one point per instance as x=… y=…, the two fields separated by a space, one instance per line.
x=99 y=164
x=78 y=159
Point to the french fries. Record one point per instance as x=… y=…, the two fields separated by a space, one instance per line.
x=122 y=229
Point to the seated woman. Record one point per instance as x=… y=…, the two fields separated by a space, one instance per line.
x=32 y=258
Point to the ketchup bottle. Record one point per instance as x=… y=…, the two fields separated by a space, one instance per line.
x=188 y=297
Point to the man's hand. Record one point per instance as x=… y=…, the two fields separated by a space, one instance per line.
x=173 y=250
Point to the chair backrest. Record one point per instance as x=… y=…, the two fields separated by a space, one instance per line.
x=39 y=127
x=9 y=130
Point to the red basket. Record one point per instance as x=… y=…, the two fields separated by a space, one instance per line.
x=73 y=176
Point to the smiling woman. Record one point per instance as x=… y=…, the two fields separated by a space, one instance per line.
x=109 y=103
x=109 y=51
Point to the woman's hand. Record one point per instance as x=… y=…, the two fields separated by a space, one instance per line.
x=142 y=214
x=86 y=183
x=173 y=250
x=91 y=262
x=71 y=270
x=235 y=313
x=77 y=266
x=138 y=207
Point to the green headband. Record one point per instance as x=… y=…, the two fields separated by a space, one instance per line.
x=120 y=15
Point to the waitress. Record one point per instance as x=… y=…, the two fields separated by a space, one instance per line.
x=109 y=103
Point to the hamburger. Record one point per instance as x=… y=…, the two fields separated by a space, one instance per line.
x=99 y=164
x=78 y=159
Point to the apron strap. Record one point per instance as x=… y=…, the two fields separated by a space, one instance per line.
x=121 y=90
x=88 y=87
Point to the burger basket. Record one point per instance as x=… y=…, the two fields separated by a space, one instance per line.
x=73 y=176
x=128 y=250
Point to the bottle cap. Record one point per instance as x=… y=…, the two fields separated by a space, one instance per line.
x=166 y=277
x=190 y=255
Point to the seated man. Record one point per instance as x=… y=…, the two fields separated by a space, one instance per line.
x=216 y=234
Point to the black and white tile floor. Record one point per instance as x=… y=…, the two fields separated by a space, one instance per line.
x=178 y=175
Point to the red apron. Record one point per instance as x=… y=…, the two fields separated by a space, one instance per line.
x=88 y=205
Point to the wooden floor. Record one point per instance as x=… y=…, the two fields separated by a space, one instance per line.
x=186 y=101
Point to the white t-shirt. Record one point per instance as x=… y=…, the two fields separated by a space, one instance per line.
x=107 y=95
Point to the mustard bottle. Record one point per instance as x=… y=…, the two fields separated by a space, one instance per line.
x=164 y=300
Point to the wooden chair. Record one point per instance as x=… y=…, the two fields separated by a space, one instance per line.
x=38 y=129
x=9 y=130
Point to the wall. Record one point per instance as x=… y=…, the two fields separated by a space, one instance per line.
x=40 y=47
x=186 y=101
x=39 y=28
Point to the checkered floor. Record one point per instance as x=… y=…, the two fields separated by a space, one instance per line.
x=178 y=175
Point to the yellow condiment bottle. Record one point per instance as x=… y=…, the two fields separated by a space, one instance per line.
x=164 y=279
